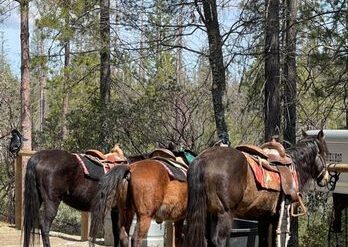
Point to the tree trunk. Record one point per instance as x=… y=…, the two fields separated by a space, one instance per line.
x=66 y=82
x=105 y=84
x=25 y=76
x=272 y=70
x=42 y=82
x=346 y=82
x=179 y=43
x=217 y=66
x=141 y=51
x=290 y=73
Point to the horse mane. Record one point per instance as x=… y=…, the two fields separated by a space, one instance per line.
x=303 y=155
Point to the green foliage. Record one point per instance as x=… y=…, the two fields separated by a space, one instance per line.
x=68 y=220
x=313 y=234
x=9 y=119
x=314 y=230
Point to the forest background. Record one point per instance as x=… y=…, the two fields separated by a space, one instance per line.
x=145 y=73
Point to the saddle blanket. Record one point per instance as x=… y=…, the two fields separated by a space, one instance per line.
x=174 y=169
x=282 y=179
x=264 y=178
x=92 y=167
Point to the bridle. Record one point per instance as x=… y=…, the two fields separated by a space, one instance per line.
x=323 y=172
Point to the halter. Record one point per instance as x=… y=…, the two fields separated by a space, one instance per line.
x=323 y=171
x=323 y=162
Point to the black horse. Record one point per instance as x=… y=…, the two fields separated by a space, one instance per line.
x=53 y=176
x=222 y=186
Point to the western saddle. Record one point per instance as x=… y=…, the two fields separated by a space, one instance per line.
x=271 y=156
x=115 y=156
x=168 y=155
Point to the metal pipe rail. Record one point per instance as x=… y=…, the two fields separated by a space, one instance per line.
x=339 y=167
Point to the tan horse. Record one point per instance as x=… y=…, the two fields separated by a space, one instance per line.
x=144 y=189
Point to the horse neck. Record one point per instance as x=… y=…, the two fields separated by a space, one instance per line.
x=303 y=156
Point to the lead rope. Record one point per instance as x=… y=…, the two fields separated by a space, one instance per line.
x=279 y=228
x=284 y=209
x=288 y=218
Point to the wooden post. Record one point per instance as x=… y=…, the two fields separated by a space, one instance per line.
x=19 y=185
x=18 y=193
x=169 y=234
x=85 y=222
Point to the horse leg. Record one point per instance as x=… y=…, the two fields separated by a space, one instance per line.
x=50 y=212
x=178 y=229
x=222 y=230
x=210 y=229
x=267 y=232
x=115 y=227
x=141 y=229
x=125 y=223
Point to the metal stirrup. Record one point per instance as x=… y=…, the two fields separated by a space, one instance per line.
x=302 y=206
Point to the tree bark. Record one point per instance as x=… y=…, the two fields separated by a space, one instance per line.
x=272 y=70
x=346 y=82
x=217 y=65
x=290 y=73
x=179 y=43
x=66 y=83
x=105 y=84
x=42 y=82
x=25 y=76
x=141 y=50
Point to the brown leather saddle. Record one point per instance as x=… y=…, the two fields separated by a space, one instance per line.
x=272 y=157
x=109 y=160
x=176 y=166
x=109 y=157
x=168 y=155
x=273 y=152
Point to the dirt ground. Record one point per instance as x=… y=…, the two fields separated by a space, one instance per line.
x=11 y=237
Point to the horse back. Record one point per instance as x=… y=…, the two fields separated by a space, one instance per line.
x=224 y=172
x=55 y=163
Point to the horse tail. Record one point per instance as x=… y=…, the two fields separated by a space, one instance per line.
x=197 y=206
x=31 y=202
x=111 y=189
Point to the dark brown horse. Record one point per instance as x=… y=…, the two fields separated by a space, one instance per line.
x=222 y=186
x=144 y=189
x=53 y=176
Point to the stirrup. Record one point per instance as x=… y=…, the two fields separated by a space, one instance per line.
x=302 y=206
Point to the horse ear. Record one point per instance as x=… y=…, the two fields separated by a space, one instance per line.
x=304 y=134
x=321 y=135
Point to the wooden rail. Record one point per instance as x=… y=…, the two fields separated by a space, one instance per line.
x=20 y=169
